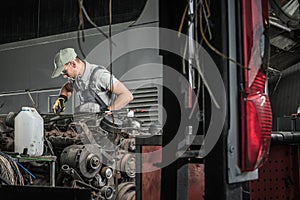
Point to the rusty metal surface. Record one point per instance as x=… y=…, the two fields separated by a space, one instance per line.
x=151 y=181
x=196 y=182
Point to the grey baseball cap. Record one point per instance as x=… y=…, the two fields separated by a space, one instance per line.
x=61 y=58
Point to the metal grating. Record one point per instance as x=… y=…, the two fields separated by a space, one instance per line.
x=146 y=99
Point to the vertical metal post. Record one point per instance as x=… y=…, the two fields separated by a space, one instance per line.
x=138 y=176
x=52 y=173
x=191 y=46
x=191 y=50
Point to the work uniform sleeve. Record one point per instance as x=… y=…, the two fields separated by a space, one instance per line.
x=104 y=79
x=71 y=84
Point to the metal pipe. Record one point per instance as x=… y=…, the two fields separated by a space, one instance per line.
x=26 y=91
x=285 y=137
x=278 y=25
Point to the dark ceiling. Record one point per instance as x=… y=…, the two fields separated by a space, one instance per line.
x=44 y=18
x=30 y=23
x=284 y=33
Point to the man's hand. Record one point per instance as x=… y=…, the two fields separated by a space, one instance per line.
x=106 y=110
x=59 y=105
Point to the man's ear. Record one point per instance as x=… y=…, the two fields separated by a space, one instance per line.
x=73 y=63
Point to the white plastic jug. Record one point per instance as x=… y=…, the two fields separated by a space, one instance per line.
x=29 y=132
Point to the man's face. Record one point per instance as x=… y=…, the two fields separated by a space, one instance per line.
x=69 y=70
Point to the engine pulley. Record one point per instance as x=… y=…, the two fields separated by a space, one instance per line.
x=87 y=159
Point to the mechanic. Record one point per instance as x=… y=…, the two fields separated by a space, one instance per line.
x=96 y=89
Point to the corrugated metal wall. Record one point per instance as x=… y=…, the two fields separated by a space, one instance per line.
x=285 y=92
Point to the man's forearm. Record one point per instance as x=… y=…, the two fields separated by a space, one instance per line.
x=66 y=91
x=121 y=101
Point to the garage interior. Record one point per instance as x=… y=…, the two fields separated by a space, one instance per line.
x=71 y=168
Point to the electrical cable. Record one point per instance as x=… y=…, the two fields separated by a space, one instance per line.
x=199 y=85
x=206 y=16
x=6 y=171
x=210 y=45
x=198 y=64
x=79 y=42
x=19 y=176
x=4 y=181
x=49 y=144
x=10 y=170
x=26 y=170
x=89 y=19
x=19 y=164
x=82 y=12
x=182 y=20
x=111 y=73
x=110 y=50
x=80 y=27
x=205 y=83
x=81 y=20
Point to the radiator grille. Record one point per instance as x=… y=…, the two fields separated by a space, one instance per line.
x=145 y=99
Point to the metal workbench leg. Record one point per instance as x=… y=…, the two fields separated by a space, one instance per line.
x=52 y=174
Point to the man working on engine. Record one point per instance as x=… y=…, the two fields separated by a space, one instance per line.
x=95 y=87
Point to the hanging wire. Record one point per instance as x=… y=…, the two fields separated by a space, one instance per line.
x=89 y=19
x=197 y=62
x=80 y=27
x=205 y=83
x=110 y=49
x=4 y=180
x=82 y=13
x=182 y=20
x=201 y=8
x=111 y=73
x=206 y=12
x=112 y=99
x=199 y=85
x=81 y=20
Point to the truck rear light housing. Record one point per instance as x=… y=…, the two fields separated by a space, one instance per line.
x=255 y=105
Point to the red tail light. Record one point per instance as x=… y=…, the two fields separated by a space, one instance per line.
x=255 y=106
